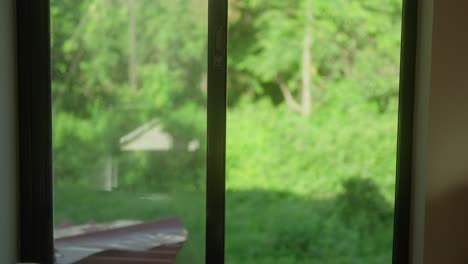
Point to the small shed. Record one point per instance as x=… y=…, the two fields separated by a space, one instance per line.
x=147 y=137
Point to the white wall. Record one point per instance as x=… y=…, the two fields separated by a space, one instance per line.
x=446 y=221
x=7 y=134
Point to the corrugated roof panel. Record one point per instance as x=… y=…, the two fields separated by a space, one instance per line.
x=150 y=242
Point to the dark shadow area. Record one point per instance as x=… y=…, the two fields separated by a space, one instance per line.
x=278 y=227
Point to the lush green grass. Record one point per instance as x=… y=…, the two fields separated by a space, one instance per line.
x=262 y=226
x=81 y=205
x=275 y=227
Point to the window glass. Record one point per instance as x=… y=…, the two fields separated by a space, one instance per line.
x=129 y=126
x=311 y=130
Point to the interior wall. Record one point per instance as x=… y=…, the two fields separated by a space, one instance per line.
x=8 y=141
x=446 y=225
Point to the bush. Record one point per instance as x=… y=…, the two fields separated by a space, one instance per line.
x=270 y=147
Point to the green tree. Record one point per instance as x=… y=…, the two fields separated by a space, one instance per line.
x=340 y=41
x=96 y=60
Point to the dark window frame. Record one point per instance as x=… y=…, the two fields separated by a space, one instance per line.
x=216 y=131
x=35 y=233
x=405 y=161
x=35 y=229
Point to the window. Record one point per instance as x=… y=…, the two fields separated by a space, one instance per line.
x=312 y=130
x=129 y=125
x=37 y=88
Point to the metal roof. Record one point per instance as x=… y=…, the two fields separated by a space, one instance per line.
x=152 y=137
x=149 y=242
x=148 y=137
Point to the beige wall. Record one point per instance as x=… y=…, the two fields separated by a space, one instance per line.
x=7 y=135
x=446 y=225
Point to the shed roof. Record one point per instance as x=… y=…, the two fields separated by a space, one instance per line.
x=148 y=137
x=152 y=137
x=150 y=242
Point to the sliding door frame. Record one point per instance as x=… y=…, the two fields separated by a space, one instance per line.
x=405 y=161
x=35 y=229
x=216 y=131
x=35 y=212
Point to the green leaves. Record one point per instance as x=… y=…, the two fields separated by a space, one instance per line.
x=93 y=102
x=351 y=40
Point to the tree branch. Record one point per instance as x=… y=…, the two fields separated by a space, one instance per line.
x=84 y=19
x=132 y=45
x=288 y=96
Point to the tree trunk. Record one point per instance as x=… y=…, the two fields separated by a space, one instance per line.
x=288 y=97
x=304 y=105
x=132 y=60
x=306 y=95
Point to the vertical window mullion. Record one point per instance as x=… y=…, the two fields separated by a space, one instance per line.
x=404 y=170
x=216 y=131
x=35 y=212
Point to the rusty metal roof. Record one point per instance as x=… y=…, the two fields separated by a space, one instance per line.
x=161 y=255
x=149 y=242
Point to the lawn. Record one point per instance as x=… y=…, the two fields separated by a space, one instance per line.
x=262 y=226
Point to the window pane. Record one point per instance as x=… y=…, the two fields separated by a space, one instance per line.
x=312 y=129
x=129 y=126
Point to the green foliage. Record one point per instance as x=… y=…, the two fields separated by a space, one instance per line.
x=353 y=41
x=300 y=189
x=167 y=170
x=286 y=228
x=93 y=103
x=285 y=153
x=362 y=198
x=79 y=146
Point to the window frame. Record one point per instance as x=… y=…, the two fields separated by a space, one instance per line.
x=216 y=131
x=35 y=183
x=35 y=212
x=35 y=230
x=406 y=107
